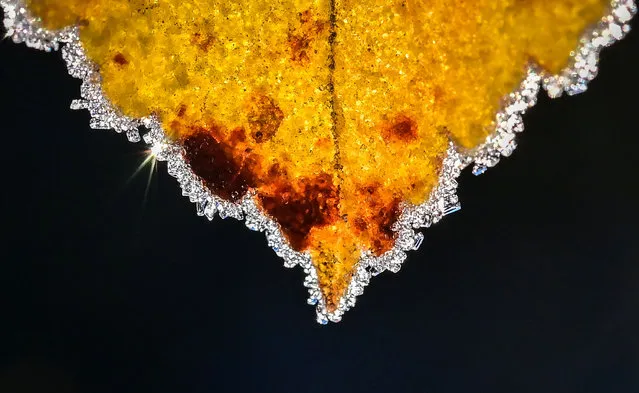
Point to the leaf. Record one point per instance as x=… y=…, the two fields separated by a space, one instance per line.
x=335 y=113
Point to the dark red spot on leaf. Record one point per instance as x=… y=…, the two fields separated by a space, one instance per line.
x=226 y=175
x=276 y=171
x=119 y=59
x=384 y=220
x=402 y=128
x=181 y=110
x=264 y=118
x=238 y=135
x=377 y=217
x=311 y=202
x=203 y=41
x=360 y=224
x=301 y=39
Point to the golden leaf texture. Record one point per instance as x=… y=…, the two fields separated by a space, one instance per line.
x=333 y=112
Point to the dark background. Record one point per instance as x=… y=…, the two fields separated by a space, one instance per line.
x=532 y=287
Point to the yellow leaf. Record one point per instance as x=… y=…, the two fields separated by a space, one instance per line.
x=333 y=111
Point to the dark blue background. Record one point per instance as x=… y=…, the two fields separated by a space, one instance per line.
x=532 y=287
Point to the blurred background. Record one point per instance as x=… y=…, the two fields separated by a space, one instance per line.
x=110 y=285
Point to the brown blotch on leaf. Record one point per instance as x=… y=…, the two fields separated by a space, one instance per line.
x=264 y=118
x=384 y=218
x=238 y=135
x=276 y=171
x=377 y=217
x=360 y=224
x=402 y=128
x=300 y=39
x=371 y=188
x=181 y=111
x=227 y=175
x=298 y=208
x=119 y=59
x=305 y=16
x=203 y=41
x=299 y=45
